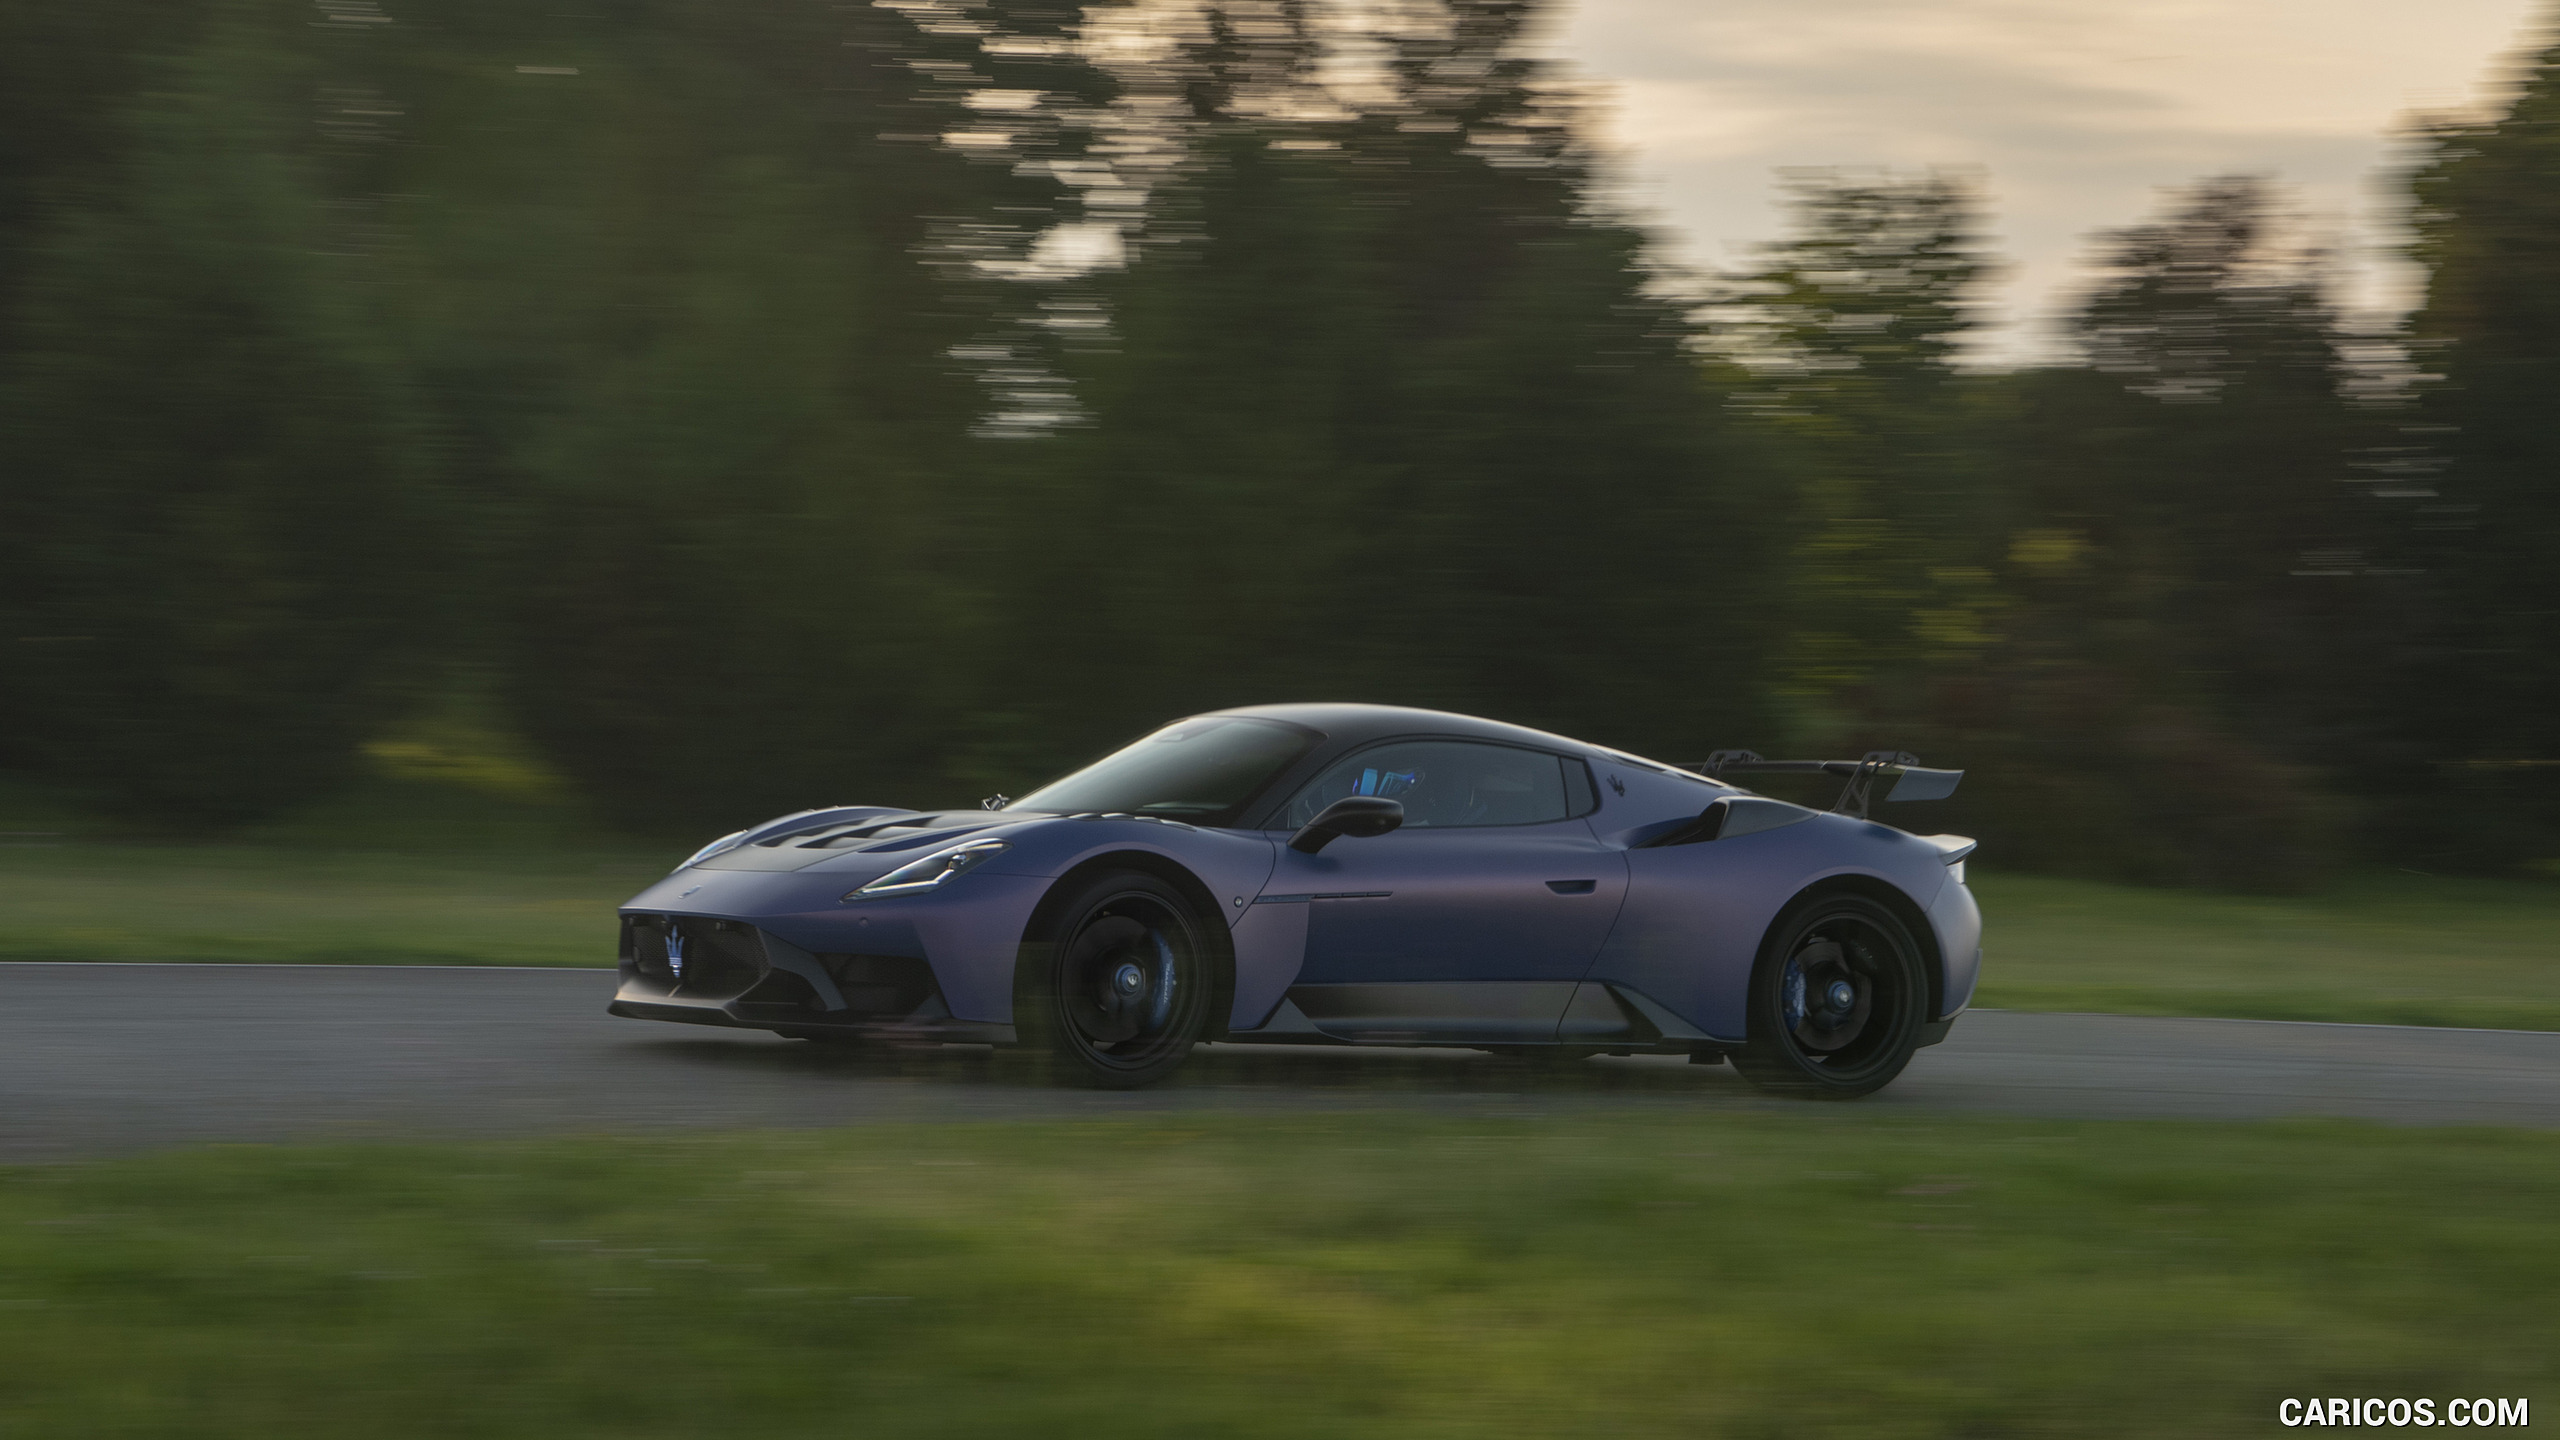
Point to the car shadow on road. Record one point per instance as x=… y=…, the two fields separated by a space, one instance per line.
x=1297 y=1068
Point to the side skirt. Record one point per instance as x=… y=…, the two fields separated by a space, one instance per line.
x=1477 y=1015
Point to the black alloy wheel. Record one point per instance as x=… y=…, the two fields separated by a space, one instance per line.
x=1837 y=1000
x=1122 y=993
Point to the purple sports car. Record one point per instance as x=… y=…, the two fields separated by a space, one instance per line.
x=1342 y=875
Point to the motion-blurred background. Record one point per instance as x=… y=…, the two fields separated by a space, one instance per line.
x=693 y=409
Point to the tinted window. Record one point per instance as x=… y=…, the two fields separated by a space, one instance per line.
x=1580 y=796
x=1200 y=770
x=1443 y=783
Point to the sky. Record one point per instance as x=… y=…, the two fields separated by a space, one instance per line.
x=2074 y=115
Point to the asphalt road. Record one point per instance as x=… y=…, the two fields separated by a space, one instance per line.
x=100 y=1059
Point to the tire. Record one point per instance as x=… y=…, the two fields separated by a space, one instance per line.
x=1122 y=992
x=1805 y=1041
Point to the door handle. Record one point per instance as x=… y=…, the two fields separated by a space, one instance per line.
x=1573 y=887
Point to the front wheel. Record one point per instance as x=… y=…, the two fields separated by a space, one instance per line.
x=1838 y=997
x=1121 y=993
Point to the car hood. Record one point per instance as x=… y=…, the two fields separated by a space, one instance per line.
x=816 y=840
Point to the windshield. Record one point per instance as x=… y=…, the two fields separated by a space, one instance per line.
x=1203 y=771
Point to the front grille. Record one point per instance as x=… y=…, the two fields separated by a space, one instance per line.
x=721 y=957
x=725 y=961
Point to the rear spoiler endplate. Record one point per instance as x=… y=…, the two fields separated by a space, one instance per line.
x=1906 y=778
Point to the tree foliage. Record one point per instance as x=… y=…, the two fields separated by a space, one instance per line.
x=2195 y=588
x=1854 y=330
x=2487 y=211
x=215 y=477
x=1389 y=414
x=771 y=402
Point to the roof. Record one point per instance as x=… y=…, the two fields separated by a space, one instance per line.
x=1347 y=722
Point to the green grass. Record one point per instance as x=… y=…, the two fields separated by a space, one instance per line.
x=396 y=870
x=2381 y=948
x=90 y=901
x=1809 y=1274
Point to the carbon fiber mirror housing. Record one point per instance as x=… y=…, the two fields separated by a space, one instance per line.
x=1360 y=815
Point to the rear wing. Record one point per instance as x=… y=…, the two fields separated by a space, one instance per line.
x=1901 y=771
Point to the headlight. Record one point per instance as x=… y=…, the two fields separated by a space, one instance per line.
x=725 y=843
x=917 y=876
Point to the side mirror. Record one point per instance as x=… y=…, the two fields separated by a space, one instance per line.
x=1361 y=815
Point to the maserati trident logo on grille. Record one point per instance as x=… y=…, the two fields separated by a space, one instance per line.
x=675 y=950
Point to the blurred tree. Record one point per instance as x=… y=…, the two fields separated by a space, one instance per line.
x=2202 y=608
x=66 y=72
x=2487 y=214
x=1853 y=331
x=694 y=293
x=2223 y=508
x=773 y=401
x=210 y=471
x=1391 y=410
x=66 y=75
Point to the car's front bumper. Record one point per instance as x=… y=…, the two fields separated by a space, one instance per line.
x=738 y=975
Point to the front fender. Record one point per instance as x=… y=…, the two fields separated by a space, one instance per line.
x=1232 y=863
x=1232 y=866
x=973 y=930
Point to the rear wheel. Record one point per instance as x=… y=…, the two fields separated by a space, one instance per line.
x=1838 y=997
x=1122 y=993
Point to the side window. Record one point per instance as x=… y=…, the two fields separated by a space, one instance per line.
x=1445 y=783
x=1580 y=796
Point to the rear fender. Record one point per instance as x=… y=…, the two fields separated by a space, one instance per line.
x=1956 y=922
x=1695 y=915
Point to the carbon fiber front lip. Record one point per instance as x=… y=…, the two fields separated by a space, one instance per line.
x=682 y=1012
x=725 y=1014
